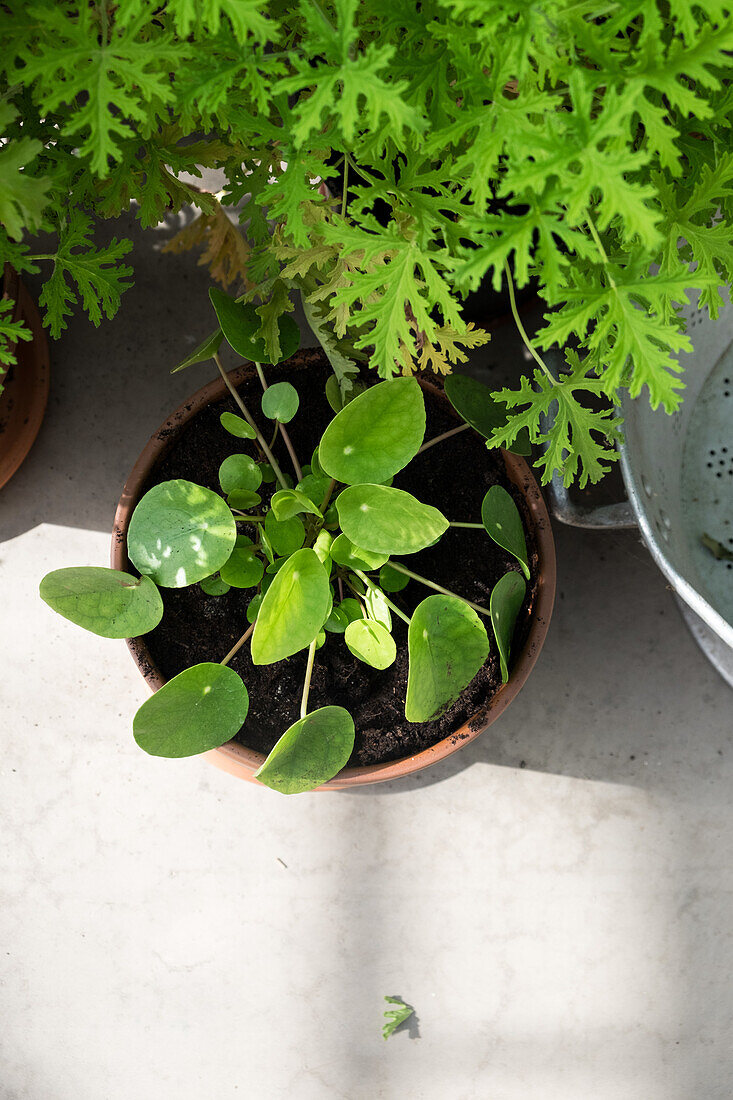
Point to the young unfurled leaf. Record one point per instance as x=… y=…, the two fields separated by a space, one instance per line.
x=214 y=586
x=180 y=533
x=310 y=752
x=473 y=401
x=377 y=606
x=199 y=709
x=448 y=644
x=107 y=602
x=395 y=1016
x=506 y=599
x=371 y=642
x=241 y=325
x=243 y=569
x=237 y=425
x=500 y=516
x=322 y=548
x=242 y=499
x=376 y=434
x=294 y=609
x=239 y=472
x=391 y=580
x=206 y=349
x=285 y=535
x=388 y=521
x=280 y=402
x=287 y=503
x=345 y=553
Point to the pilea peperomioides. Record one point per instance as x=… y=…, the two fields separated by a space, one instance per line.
x=324 y=556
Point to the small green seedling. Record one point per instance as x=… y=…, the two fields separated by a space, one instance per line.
x=322 y=557
x=396 y=1016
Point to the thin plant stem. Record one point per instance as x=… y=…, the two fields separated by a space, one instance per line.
x=521 y=329
x=437 y=587
x=238 y=645
x=345 y=188
x=599 y=246
x=242 y=517
x=440 y=438
x=363 y=577
x=281 y=428
x=248 y=417
x=327 y=497
x=307 y=681
x=478 y=526
x=274 y=435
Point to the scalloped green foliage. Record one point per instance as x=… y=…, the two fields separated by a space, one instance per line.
x=385 y=520
x=295 y=607
x=180 y=533
x=242 y=328
x=199 y=709
x=371 y=643
x=309 y=753
x=473 y=401
x=507 y=597
x=448 y=644
x=280 y=402
x=376 y=434
x=107 y=602
x=500 y=516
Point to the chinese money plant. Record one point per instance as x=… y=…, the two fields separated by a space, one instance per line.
x=325 y=553
x=583 y=143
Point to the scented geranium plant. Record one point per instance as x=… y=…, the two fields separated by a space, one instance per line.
x=325 y=553
x=583 y=144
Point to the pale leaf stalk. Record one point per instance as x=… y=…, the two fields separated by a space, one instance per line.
x=238 y=645
x=329 y=493
x=307 y=681
x=599 y=246
x=437 y=587
x=440 y=438
x=476 y=526
x=248 y=417
x=400 y=614
x=281 y=428
x=521 y=329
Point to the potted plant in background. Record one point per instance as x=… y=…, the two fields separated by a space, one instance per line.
x=591 y=150
x=250 y=580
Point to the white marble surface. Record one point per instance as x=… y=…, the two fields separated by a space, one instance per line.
x=555 y=900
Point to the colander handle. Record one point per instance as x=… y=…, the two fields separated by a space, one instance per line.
x=595 y=517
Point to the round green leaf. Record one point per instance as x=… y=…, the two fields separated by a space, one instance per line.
x=180 y=533
x=310 y=752
x=391 y=580
x=315 y=487
x=243 y=499
x=507 y=597
x=243 y=568
x=239 y=472
x=345 y=553
x=206 y=349
x=280 y=402
x=240 y=322
x=388 y=521
x=500 y=516
x=285 y=535
x=214 y=586
x=268 y=474
x=447 y=644
x=237 y=426
x=337 y=621
x=371 y=643
x=199 y=709
x=286 y=503
x=376 y=434
x=294 y=609
x=107 y=602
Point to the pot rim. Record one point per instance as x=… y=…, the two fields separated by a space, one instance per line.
x=243 y=762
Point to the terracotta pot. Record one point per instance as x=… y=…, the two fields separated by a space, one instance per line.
x=25 y=394
x=243 y=762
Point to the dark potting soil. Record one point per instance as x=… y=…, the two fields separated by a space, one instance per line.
x=452 y=476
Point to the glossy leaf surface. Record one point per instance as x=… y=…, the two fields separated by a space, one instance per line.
x=310 y=752
x=240 y=322
x=199 y=709
x=295 y=607
x=500 y=516
x=388 y=521
x=371 y=643
x=280 y=402
x=447 y=644
x=107 y=602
